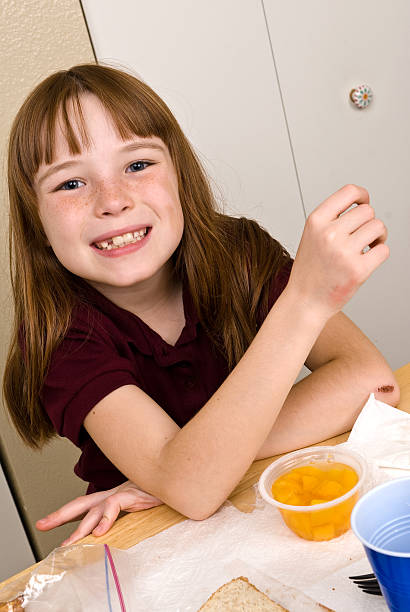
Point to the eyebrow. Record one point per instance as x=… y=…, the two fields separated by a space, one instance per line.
x=133 y=146
x=55 y=168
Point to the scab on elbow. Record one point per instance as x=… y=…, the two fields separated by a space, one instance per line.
x=386 y=389
x=388 y=393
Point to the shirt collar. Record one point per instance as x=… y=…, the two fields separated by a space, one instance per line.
x=138 y=333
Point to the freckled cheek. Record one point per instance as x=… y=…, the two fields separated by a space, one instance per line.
x=164 y=201
x=64 y=219
x=173 y=211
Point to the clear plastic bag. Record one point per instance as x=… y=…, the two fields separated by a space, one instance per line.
x=73 y=578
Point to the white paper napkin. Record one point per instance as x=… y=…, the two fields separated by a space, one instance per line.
x=382 y=434
x=178 y=569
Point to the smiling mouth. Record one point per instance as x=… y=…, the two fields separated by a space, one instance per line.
x=117 y=242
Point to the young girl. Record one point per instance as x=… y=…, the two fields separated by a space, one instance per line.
x=159 y=335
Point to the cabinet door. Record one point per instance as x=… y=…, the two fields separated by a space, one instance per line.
x=16 y=551
x=212 y=64
x=323 y=50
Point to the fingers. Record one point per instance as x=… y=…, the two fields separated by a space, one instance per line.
x=371 y=233
x=375 y=257
x=102 y=516
x=86 y=526
x=355 y=217
x=359 y=221
x=98 y=520
x=112 y=508
x=340 y=201
x=331 y=262
x=72 y=510
x=101 y=508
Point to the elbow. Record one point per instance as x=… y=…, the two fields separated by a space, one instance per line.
x=389 y=393
x=374 y=375
x=185 y=490
x=191 y=503
x=200 y=515
x=195 y=511
x=385 y=386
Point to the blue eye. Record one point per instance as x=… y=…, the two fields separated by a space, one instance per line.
x=138 y=166
x=70 y=185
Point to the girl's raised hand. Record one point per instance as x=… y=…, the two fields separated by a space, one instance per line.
x=101 y=508
x=332 y=260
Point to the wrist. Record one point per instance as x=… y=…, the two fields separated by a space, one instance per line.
x=313 y=311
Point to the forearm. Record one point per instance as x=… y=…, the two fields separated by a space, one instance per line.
x=211 y=453
x=328 y=401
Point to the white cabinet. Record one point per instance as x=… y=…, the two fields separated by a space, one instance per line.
x=262 y=91
x=324 y=49
x=16 y=553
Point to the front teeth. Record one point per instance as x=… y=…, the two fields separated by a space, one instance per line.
x=118 y=241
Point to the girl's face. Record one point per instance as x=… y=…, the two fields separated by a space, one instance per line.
x=112 y=213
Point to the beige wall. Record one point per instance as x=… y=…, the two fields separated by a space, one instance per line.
x=37 y=37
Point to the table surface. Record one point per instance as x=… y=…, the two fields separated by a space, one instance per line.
x=137 y=526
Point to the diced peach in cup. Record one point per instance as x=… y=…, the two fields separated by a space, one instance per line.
x=329 y=489
x=349 y=479
x=335 y=474
x=283 y=494
x=295 y=500
x=299 y=523
x=324 y=532
x=309 y=482
x=283 y=489
x=311 y=485
x=294 y=476
x=307 y=470
x=321 y=517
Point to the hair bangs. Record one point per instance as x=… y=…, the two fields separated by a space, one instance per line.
x=133 y=107
x=133 y=112
x=66 y=116
x=129 y=120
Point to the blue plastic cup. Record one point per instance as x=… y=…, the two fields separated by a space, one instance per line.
x=381 y=521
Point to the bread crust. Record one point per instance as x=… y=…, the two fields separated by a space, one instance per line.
x=243 y=579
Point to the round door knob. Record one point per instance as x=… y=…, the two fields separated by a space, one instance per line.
x=361 y=96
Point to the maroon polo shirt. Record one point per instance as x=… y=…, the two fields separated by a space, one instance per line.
x=107 y=347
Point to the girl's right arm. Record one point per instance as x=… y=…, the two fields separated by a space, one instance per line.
x=194 y=469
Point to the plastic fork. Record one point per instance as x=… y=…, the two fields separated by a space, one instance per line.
x=367 y=583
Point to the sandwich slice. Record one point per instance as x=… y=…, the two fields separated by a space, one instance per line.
x=240 y=595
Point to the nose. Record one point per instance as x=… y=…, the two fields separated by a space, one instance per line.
x=111 y=200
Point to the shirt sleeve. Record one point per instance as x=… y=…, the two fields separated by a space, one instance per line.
x=84 y=368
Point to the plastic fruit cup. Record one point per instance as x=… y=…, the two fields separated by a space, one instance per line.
x=321 y=521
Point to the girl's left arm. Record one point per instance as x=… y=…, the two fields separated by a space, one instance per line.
x=345 y=368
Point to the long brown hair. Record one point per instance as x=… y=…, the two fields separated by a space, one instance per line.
x=226 y=261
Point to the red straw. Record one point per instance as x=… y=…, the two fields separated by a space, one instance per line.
x=115 y=576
